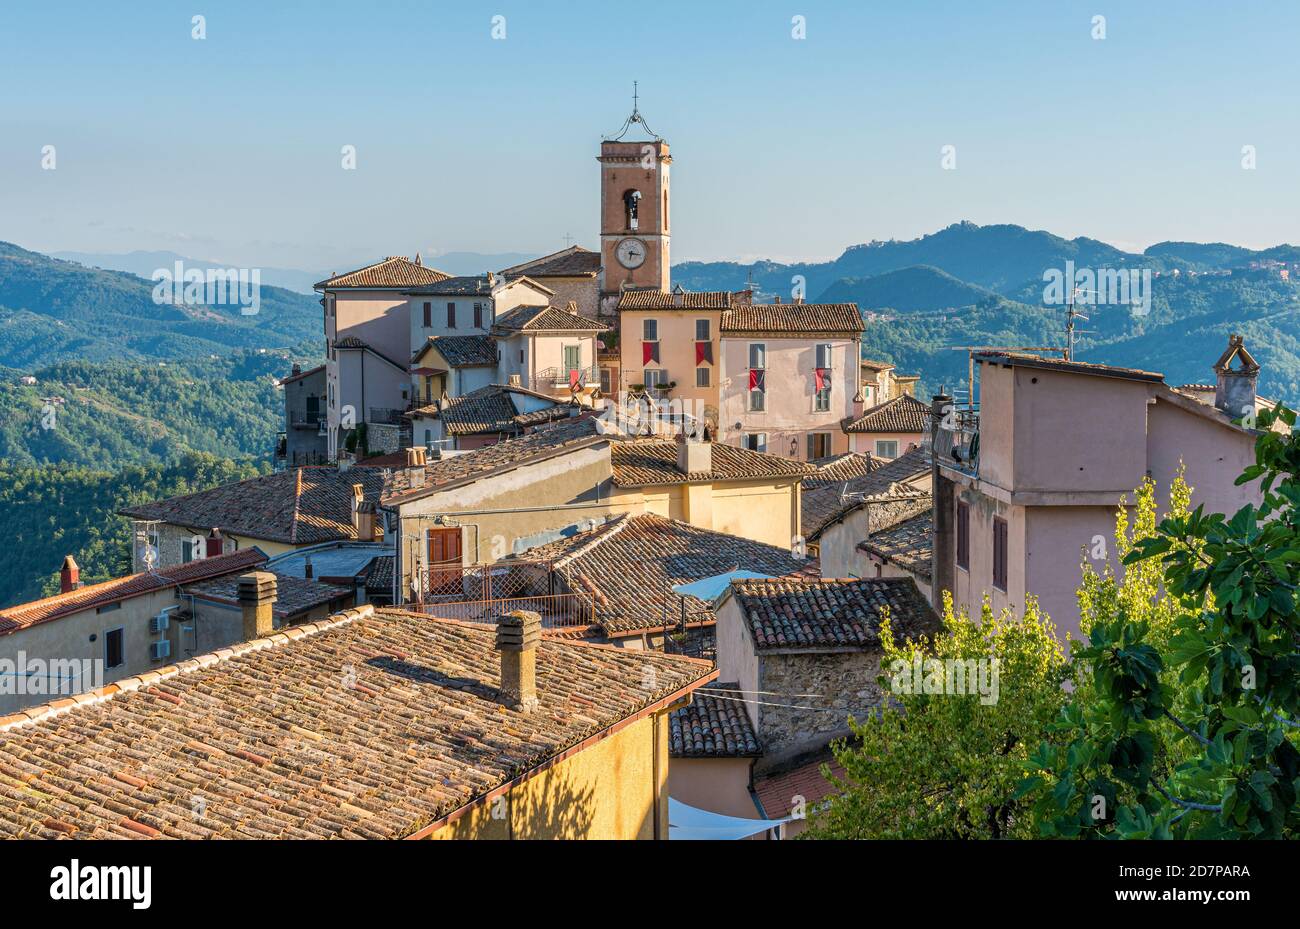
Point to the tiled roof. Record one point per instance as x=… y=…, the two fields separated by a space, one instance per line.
x=571 y=262
x=379 y=579
x=802 y=318
x=546 y=319
x=824 y=502
x=713 y=725
x=463 y=351
x=902 y=414
x=639 y=463
x=629 y=565
x=908 y=544
x=293 y=595
x=663 y=300
x=842 y=467
x=123 y=588
x=466 y=285
x=812 y=615
x=302 y=374
x=393 y=272
x=777 y=790
x=543 y=442
x=491 y=410
x=299 y=507
x=1022 y=360
x=372 y=724
x=877 y=365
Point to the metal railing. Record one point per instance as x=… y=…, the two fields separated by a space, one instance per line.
x=562 y=378
x=957 y=440
x=558 y=611
x=385 y=416
x=485 y=592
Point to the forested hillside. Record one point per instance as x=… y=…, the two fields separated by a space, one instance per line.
x=50 y=512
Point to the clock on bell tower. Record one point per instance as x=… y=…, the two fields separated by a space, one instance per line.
x=634 y=213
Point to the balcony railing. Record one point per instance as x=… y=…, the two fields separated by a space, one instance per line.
x=306 y=420
x=957 y=440
x=485 y=593
x=551 y=379
x=385 y=416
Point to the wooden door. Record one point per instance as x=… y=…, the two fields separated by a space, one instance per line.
x=444 y=561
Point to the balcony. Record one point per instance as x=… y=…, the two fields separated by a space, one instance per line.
x=385 y=416
x=485 y=593
x=308 y=420
x=556 y=380
x=957 y=441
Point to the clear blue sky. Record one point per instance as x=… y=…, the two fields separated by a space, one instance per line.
x=229 y=148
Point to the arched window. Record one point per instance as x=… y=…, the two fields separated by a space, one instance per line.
x=631 y=200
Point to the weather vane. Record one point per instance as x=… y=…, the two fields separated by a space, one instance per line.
x=636 y=117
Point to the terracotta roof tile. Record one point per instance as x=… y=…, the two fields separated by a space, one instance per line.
x=394 y=272
x=778 y=789
x=842 y=467
x=546 y=319
x=464 y=285
x=802 y=318
x=293 y=595
x=300 y=507
x=575 y=261
x=628 y=566
x=1024 y=360
x=464 y=351
x=373 y=724
x=639 y=463
x=908 y=544
x=824 y=502
x=664 y=300
x=122 y=588
x=812 y=615
x=713 y=725
x=902 y=414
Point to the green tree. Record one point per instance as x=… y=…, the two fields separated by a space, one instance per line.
x=1190 y=704
x=940 y=765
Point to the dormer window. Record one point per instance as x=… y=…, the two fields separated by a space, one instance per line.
x=631 y=201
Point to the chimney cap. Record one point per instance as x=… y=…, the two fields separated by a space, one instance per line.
x=257 y=587
x=70 y=563
x=519 y=631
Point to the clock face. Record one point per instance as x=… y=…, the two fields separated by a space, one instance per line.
x=631 y=253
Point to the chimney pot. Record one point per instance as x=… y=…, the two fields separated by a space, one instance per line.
x=517 y=636
x=69 y=575
x=257 y=593
x=1234 y=389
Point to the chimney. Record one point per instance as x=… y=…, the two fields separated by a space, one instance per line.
x=516 y=380
x=418 y=261
x=776 y=300
x=517 y=636
x=214 y=545
x=297 y=369
x=492 y=280
x=69 y=575
x=307 y=570
x=415 y=462
x=256 y=600
x=859 y=403
x=694 y=455
x=363 y=514
x=1234 y=389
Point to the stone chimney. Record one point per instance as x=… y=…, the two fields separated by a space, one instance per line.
x=516 y=380
x=297 y=369
x=363 y=514
x=492 y=280
x=517 y=636
x=1234 y=389
x=415 y=462
x=256 y=601
x=776 y=300
x=214 y=544
x=694 y=454
x=69 y=575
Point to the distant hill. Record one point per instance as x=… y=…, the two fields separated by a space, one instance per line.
x=143 y=264
x=999 y=258
x=52 y=310
x=116 y=414
x=909 y=289
x=1217 y=256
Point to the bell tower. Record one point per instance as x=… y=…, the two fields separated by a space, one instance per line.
x=634 y=212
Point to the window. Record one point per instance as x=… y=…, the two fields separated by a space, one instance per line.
x=757 y=376
x=111 y=607
x=114 y=657
x=606 y=381
x=702 y=376
x=963 y=536
x=521 y=356
x=572 y=358
x=655 y=377
x=478 y=316
x=886 y=448
x=187 y=552
x=819 y=444
x=822 y=378
x=1000 y=553
x=631 y=203
x=701 y=330
x=756 y=441
x=451 y=315
x=650 y=330
x=428 y=315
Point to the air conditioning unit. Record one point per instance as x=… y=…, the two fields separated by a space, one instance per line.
x=159 y=623
x=160 y=650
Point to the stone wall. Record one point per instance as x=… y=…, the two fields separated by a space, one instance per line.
x=845 y=682
x=383 y=438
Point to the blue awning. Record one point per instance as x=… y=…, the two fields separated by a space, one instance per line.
x=688 y=822
x=711 y=588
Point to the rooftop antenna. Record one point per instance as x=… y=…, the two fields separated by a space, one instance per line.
x=636 y=117
x=568 y=240
x=1070 y=315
